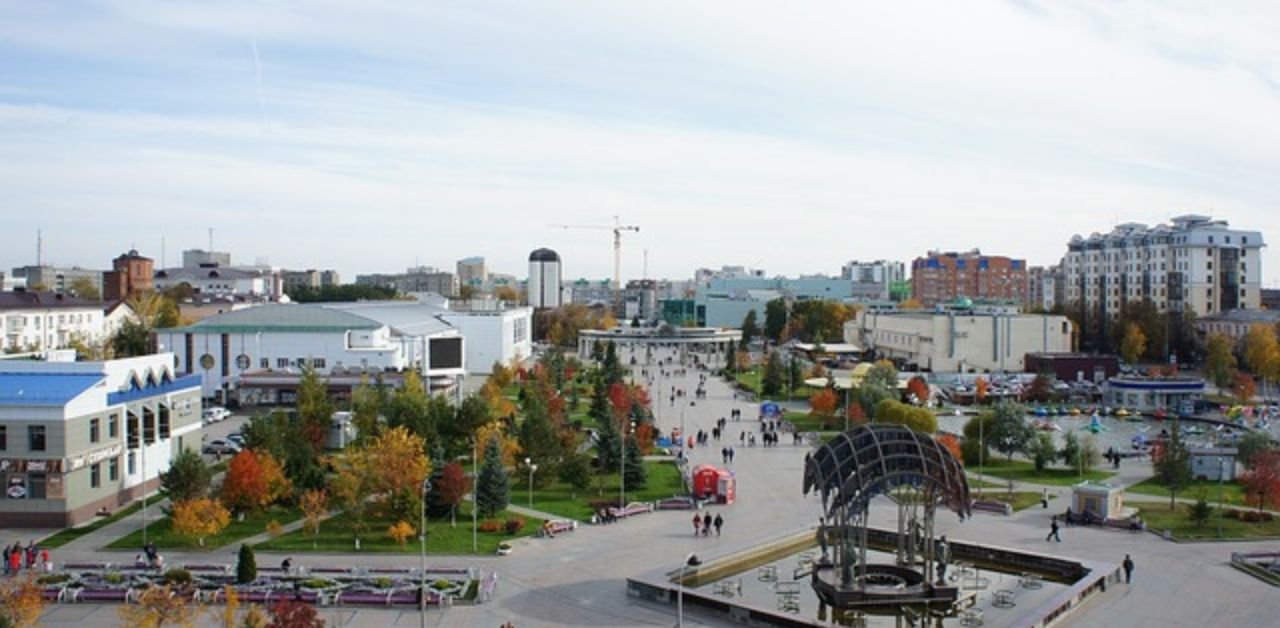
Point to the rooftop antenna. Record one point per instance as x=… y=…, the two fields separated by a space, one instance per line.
x=39 y=247
x=210 y=239
x=162 y=252
x=646 y=265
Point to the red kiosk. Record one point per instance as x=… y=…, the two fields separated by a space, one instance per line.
x=712 y=483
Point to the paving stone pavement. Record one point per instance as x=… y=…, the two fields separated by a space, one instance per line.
x=578 y=579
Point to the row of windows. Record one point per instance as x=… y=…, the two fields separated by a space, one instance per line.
x=207 y=362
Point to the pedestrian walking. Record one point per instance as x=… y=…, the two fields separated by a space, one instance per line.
x=1044 y=498
x=731 y=452
x=718 y=522
x=697 y=524
x=1053 y=530
x=1128 y=569
x=706 y=524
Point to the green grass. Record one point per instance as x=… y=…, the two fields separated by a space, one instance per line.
x=1024 y=471
x=750 y=380
x=161 y=532
x=984 y=484
x=1232 y=492
x=70 y=534
x=557 y=498
x=337 y=535
x=1160 y=518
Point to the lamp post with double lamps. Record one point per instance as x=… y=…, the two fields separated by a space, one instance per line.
x=528 y=462
x=422 y=566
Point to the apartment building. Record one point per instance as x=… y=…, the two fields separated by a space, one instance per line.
x=39 y=321
x=942 y=277
x=1195 y=264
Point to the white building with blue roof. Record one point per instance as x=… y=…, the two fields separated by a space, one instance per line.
x=257 y=354
x=82 y=438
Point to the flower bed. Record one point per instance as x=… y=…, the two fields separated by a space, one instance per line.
x=101 y=583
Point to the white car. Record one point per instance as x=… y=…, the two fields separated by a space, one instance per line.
x=215 y=413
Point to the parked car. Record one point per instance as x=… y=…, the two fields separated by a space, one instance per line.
x=236 y=438
x=215 y=414
x=219 y=447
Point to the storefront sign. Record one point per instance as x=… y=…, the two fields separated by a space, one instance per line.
x=17 y=488
x=19 y=465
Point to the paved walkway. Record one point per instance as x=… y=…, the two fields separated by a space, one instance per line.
x=578 y=579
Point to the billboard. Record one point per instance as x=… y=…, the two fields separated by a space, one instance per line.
x=445 y=353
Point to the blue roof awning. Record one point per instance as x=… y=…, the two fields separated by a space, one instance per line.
x=45 y=389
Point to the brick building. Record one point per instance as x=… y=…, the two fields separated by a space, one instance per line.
x=130 y=274
x=942 y=277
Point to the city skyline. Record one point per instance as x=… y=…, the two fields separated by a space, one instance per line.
x=384 y=135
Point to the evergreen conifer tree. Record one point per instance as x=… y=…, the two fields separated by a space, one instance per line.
x=493 y=488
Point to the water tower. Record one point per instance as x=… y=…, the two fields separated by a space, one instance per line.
x=544 y=279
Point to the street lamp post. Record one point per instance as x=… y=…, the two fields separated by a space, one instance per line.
x=422 y=566
x=528 y=462
x=475 y=503
x=689 y=561
x=1222 y=462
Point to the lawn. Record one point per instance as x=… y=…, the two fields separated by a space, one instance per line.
x=336 y=535
x=1160 y=518
x=557 y=498
x=805 y=422
x=1024 y=471
x=160 y=532
x=750 y=380
x=1232 y=492
x=70 y=534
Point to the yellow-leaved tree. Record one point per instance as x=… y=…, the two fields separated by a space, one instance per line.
x=400 y=532
x=199 y=518
x=510 y=446
x=21 y=601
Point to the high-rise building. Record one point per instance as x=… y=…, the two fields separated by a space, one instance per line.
x=941 y=277
x=544 y=279
x=1042 y=288
x=472 y=272
x=131 y=273
x=57 y=279
x=874 y=281
x=1196 y=264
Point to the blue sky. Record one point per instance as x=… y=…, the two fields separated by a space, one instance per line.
x=369 y=136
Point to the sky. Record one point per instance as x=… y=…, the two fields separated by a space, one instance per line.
x=371 y=135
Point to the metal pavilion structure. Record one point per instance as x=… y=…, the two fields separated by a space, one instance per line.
x=920 y=475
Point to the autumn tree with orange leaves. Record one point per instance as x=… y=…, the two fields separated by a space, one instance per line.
x=254 y=480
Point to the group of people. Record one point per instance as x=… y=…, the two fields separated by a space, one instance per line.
x=605 y=516
x=1113 y=457
x=16 y=556
x=702 y=524
x=150 y=557
x=726 y=454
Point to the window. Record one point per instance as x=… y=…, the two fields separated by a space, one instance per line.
x=164 y=422
x=132 y=463
x=95 y=475
x=94 y=431
x=35 y=438
x=318 y=363
x=113 y=426
x=4 y=437
x=264 y=363
x=113 y=469
x=282 y=363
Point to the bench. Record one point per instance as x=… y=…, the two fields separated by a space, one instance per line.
x=997 y=507
x=556 y=526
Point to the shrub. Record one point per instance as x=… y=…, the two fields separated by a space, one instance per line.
x=177 y=576
x=514 y=525
x=57 y=578
x=246 y=566
x=114 y=578
x=316 y=583
x=490 y=525
x=400 y=532
x=441 y=584
x=383 y=582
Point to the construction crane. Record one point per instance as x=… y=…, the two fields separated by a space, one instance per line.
x=617 y=228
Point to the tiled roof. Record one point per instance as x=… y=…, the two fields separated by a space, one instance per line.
x=276 y=317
